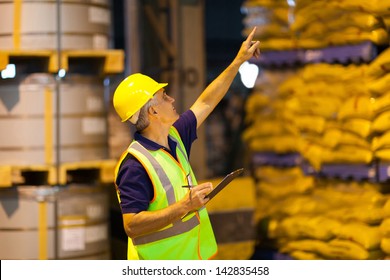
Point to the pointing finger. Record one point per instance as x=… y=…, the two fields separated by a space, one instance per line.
x=251 y=35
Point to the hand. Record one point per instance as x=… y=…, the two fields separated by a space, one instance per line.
x=197 y=195
x=249 y=48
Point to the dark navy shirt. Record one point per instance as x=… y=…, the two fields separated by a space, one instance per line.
x=135 y=186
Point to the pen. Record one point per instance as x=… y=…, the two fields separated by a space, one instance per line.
x=190 y=188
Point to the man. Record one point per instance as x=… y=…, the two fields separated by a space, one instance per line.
x=163 y=219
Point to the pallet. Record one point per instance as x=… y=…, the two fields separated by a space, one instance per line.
x=107 y=61
x=26 y=175
x=89 y=172
x=113 y=60
x=100 y=171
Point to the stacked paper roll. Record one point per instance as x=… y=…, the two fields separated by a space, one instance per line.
x=32 y=25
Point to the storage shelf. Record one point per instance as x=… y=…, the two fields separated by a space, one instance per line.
x=107 y=61
x=365 y=52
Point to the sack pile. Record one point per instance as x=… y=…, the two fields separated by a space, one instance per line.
x=322 y=219
x=306 y=24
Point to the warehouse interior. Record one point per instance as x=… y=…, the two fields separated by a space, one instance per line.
x=308 y=120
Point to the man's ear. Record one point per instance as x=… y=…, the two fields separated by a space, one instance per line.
x=152 y=111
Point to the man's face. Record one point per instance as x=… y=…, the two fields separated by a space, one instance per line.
x=164 y=108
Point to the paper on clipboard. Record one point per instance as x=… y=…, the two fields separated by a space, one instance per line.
x=225 y=181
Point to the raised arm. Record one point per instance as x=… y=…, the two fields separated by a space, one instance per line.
x=217 y=89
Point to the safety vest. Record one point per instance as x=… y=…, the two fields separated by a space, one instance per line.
x=191 y=237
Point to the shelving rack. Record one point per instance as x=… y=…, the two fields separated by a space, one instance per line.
x=59 y=198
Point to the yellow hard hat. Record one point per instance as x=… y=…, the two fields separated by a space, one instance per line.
x=133 y=93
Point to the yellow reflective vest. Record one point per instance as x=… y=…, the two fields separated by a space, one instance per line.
x=191 y=237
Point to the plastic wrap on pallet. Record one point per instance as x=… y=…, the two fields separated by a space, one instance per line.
x=270 y=158
x=349 y=171
x=364 y=52
x=383 y=172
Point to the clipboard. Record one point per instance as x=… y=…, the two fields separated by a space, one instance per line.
x=225 y=181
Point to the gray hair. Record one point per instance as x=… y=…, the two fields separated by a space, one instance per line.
x=143 y=119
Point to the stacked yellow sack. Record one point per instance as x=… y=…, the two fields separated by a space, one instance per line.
x=272 y=19
x=336 y=249
x=379 y=73
x=382 y=9
x=351 y=143
x=267 y=129
x=367 y=113
x=290 y=181
x=359 y=5
x=306 y=227
x=318 y=225
x=316 y=24
x=325 y=23
x=315 y=97
x=328 y=113
x=385 y=230
x=323 y=111
x=281 y=185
